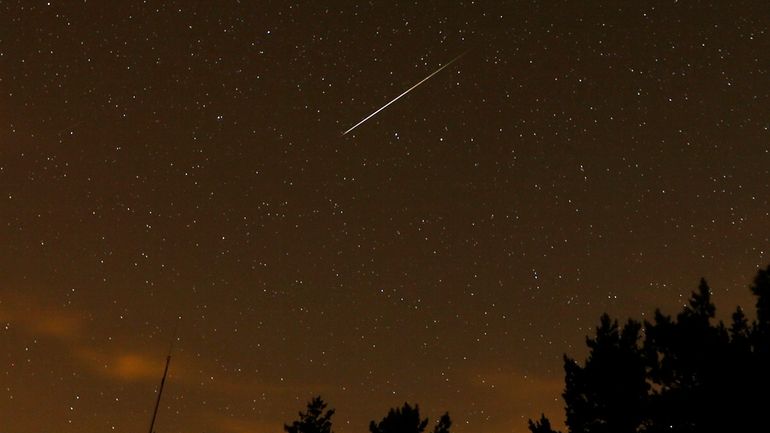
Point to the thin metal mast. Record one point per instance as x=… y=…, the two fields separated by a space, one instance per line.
x=160 y=391
x=163 y=381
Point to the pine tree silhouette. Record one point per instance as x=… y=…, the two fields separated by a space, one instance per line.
x=740 y=332
x=314 y=420
x=541 y=426
x=682 y=354
x=690 y=375
x=400 y=420
x=407 y=420
x=761 y=289
x=759 y=387
x=443 y=425
x=607 y=395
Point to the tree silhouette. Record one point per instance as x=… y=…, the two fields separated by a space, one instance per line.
x=760 y=345
x=443 y=425
x=689 y=374
x=740 y=332
x=761 y=289
x=314 y=420
x=686 y=366
x=608 y=393
x=761 y=329
x=541 y=426
x=407 y=420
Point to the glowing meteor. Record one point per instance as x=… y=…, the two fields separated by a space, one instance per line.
x=405 y=92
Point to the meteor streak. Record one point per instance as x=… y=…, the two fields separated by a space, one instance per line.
x=405 y=92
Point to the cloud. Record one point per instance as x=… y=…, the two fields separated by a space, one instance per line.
x=60 y=325
x=41 y=319
x=37 y=317
x=127 y=366
x=132 y=366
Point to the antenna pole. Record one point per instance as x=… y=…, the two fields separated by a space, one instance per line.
x=163 y=380
x=160 y=391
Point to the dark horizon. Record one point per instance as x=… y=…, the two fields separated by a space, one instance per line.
x=180 y=163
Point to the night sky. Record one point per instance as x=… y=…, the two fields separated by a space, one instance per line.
x=182 y=165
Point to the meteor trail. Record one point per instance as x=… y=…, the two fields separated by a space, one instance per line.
x=405 y=92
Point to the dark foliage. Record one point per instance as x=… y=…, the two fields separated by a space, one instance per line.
x=443 y=425
x=315 y=420
x=607 y=395
x=541 y=426
x=407 y=420
x=675 y=374
x=761 y=289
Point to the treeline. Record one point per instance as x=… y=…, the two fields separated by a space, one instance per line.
x=685 y=374
x=682 y=374
x=406 y=419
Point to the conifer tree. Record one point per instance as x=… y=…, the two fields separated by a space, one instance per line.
x=315 y=420
x=761 y=328
x=443 y=425
x=400 y=420
x=690 y=375
x=608 y=393
x=541 y=426
x=406 y=419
